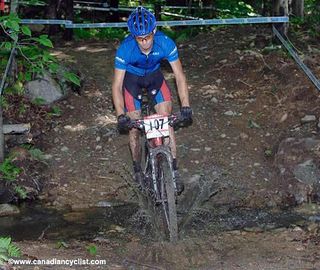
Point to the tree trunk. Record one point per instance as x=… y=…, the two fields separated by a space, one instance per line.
x=1 y=137
x=52 y=13
x=157 y=10
x=68 y=32
x=298 y=8
x=14 y=6
x=114 y=12
x=281 y=8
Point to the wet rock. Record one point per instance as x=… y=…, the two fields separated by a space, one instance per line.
x=214 y=100
x=307 y=172
x=194 y=178
x=45 y=88
x=47 y=156
x=308 y=119
x=299 y=166
x=6 y=195
x=98 y=147
x=8 y=210
x=230 y=113
x=243 y=136
x=283 y=118
x=64 y=149
x=104 y=204
x=101 y=239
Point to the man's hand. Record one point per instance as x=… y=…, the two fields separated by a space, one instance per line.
x=123 y=122
x=186 y=114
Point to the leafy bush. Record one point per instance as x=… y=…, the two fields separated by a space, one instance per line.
x=33 y=56
x=9 y=171
x=101 y=33
x=7 y=250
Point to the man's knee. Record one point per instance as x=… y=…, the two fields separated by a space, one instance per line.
x=164 y=108
x=134 y=114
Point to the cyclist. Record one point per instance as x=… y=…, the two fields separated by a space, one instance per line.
x=137 y=66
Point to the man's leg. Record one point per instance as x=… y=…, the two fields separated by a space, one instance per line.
x=132 y=101
x=165 y=108
x=134 y=138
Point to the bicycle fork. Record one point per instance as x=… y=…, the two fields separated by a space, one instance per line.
x=154 y=152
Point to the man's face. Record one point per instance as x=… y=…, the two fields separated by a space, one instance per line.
x=145 y=42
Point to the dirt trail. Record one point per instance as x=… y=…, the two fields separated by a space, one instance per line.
x=239 y=97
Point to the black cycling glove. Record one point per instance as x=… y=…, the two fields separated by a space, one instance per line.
x=186 y=114
x=123 y=122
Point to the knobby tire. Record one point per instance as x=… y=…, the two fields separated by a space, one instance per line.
x=168 y=198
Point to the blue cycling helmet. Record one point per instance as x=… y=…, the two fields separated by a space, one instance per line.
x=141 y=22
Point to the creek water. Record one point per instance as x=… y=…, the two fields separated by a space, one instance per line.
x=37 y=222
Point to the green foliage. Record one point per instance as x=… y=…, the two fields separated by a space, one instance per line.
x=36 y=153
x=38 y=101
x=56 y=111
x=61 y=244
x=4 y=102
x=72 y=78
x=92 y=249
x=181 y=35
x=311 y=20
x=101 y=33
x=253 y=124
x=268 y=152
x=33 y=3
x=234 y=8
x=21 y=192
x=8 y=250
x=9 y=171
x=33 y=56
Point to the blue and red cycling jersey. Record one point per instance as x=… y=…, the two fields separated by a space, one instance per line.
x=130 y=58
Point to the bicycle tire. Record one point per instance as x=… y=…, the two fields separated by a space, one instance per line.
x=168 y=198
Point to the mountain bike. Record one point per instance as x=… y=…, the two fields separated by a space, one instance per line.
x=159 y=175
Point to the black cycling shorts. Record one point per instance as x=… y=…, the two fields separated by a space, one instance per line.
x=155 y=84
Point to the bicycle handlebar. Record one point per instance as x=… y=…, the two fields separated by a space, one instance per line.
x=174 y=120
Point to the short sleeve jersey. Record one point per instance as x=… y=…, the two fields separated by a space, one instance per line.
x=130 y=58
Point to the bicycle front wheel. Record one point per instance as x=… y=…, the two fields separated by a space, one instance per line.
x=168 y=199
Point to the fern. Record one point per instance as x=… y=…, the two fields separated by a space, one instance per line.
x=14 y=251
x=7 y=250
x=21 y=191
x=9 y=171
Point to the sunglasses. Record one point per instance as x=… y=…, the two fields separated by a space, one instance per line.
x=146 y=38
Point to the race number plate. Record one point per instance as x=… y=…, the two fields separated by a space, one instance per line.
x=156 y=126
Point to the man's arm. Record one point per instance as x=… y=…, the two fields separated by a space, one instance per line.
x=117 y=95
x=181 y=82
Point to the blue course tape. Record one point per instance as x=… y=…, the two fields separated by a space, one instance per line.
x=69 y=24
x=96 y=25
x=295 y=56
x=41 y=21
